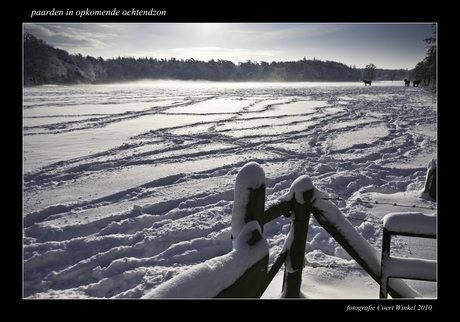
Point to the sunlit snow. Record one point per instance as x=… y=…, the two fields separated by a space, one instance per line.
x=127 y=186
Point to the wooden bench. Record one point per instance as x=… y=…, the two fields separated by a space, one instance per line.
x=411 y=224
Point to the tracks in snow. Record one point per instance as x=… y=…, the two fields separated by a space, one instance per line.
x=115 y=222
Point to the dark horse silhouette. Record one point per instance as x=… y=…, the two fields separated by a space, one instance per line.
x=417 y=82
x=406 y=82
x=367 y=82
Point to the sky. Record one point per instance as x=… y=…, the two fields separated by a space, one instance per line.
x=386 y=45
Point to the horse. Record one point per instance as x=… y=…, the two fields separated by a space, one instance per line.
x=367 y=82
x=406 y=82
x=417 y=82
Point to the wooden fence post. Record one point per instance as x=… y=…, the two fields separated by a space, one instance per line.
x=430 y=181
x=255 y=208
x=296 y=255
x=386 y=240
x=249 y=201
x=251 y=182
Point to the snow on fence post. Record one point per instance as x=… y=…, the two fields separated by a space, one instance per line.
x=249 y=197
x=231 y=275
x=249 y=204
x=430 y=182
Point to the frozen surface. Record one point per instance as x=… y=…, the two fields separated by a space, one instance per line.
x=127 y=186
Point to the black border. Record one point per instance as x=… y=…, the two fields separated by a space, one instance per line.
x=250 y=13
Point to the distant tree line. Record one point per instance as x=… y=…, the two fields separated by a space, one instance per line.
x=426 y=69
x=44 y=64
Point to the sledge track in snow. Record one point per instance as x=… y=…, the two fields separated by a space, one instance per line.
x=117 y=222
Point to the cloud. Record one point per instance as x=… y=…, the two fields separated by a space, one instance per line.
x=282 y=32
x=38 y=30
x=73 y=37
x=84 y=39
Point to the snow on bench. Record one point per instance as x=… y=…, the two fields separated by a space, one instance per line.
x=413 y=223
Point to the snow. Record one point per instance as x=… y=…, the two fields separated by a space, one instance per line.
x=432 y=164
x=334 y=216
x=298 y=187
x=369 y=254
x=251 y=176
x=415 y=268
x=411 y=223
x=208 y=279
x=128 y=188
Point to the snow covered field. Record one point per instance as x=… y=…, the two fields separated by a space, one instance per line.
x=126 y=186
